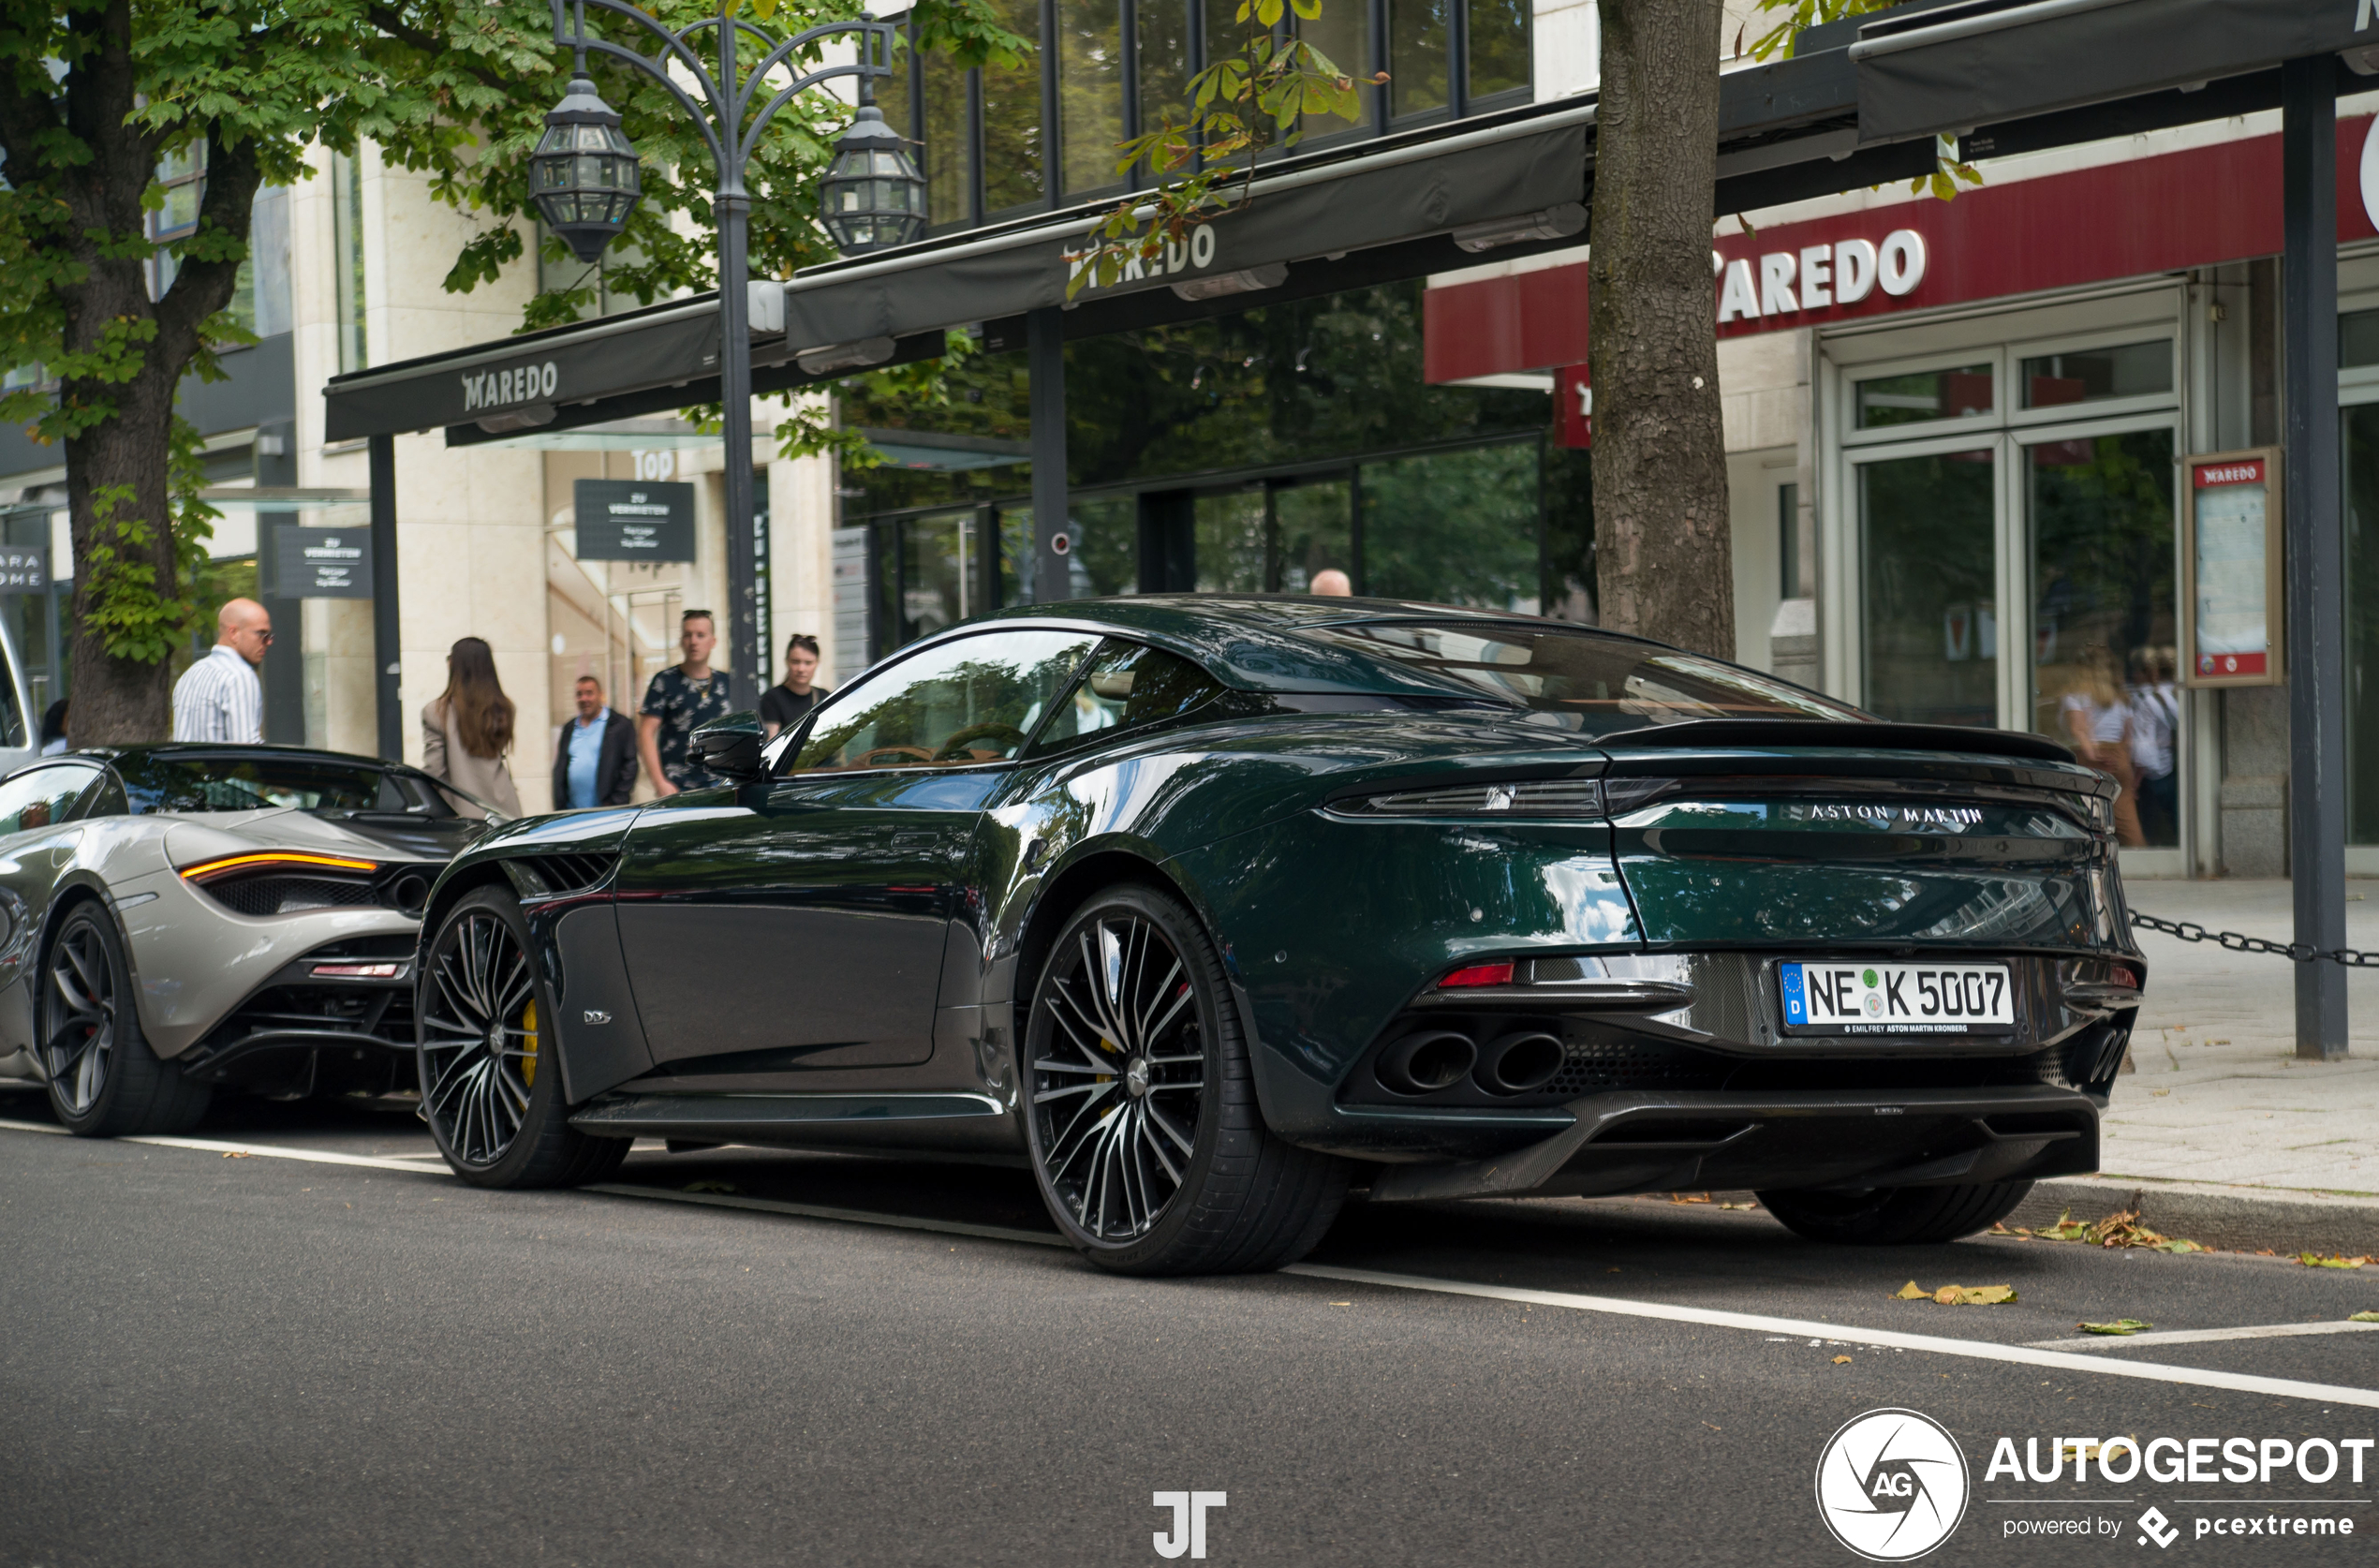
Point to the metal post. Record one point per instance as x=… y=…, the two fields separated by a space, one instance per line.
x=387 y=639
x=1046 y=363
x=735 y=393
x=2316 y=552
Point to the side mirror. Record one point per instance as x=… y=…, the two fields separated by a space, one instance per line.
x=731 y=753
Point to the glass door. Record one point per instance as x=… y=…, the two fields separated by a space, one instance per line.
x=2103 y=667
x=1927 y=550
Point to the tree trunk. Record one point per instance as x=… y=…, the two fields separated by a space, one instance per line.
x=123 y=461
x=1663 y=553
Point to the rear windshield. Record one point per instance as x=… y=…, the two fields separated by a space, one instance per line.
x=1581 y=680
x=251 y=783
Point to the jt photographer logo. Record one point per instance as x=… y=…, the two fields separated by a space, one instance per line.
x=1892 y=1486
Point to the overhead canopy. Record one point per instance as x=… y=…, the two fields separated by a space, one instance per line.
x=1956 y=66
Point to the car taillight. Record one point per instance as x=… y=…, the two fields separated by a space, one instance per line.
x=2126 y=975
x=358 y=971
x=289 y=861
x=1478 y=974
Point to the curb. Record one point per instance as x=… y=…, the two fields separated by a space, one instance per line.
x=2234 y=1218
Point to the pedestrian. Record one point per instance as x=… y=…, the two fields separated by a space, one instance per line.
x=1330 y=582
x=53 y=729
x=220 y=697
x=2099 y=723
x=789 y=701
x=466 y=729
x=2155 y=734
x=595 y=760
x=679 y=698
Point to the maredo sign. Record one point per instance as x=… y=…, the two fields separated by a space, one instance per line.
x=2132 y=218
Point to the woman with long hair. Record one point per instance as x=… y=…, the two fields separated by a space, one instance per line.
x=466 y=729
x=2098 y=727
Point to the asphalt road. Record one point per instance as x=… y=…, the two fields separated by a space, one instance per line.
x=242 y=1360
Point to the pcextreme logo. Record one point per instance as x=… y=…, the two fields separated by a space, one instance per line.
x=1892 y=1485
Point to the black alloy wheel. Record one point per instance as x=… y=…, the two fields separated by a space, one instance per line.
x=490 y=1089
x=1150 y=1151
x=105 y=1082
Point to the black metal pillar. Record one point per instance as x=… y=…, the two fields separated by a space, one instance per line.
x=1046 y=363
x=2316 y=548
x=386 y=639
x=742 y=630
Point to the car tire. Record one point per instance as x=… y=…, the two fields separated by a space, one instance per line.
x=1163 y=1166
x=1897 y=1216
x=104 y=1080
x=497 y=1119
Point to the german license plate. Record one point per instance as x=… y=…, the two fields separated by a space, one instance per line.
x=1859 y=998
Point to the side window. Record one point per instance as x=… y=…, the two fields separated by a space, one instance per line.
x=970 y=700
x=1127 y=688
x=41 y=798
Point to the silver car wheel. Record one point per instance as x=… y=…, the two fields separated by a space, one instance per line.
x=81 y=1038
x=479 y=1038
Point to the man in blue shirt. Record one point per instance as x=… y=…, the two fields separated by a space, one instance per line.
x=595 y=762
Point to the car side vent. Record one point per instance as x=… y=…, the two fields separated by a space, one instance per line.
x=1533 y=797
x=561 y=874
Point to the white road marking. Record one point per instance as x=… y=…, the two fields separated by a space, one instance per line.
x=1881 y=1338
x=32 y=1127
x=269 y=1151
x=816 y=1211
x=2201 y=1336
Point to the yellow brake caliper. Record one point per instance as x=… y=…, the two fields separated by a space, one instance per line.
x=528 y=1064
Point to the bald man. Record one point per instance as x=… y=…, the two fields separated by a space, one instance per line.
x=220 y=697
x=1331 y=584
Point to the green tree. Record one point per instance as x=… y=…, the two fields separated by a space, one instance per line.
x=99 y=92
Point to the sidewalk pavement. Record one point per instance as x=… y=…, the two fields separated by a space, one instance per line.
x=2215 y=1119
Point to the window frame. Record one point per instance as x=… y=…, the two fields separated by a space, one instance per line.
x=780 y=770
x=1097 y=741
x=2079 y=343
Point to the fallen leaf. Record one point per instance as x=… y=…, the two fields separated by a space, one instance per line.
x=2364 y=1317
x=1973 y=1295
x=1839 y=1360
x=235 y=1154
x=710 y=1187
x=2120 y=1326
x=2315 y=1260
x=1911 y=1292
x=1714 y=1428
x=2119 y=1229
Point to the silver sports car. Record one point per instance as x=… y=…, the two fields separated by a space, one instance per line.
x=179 y=918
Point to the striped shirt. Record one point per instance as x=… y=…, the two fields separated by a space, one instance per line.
x=219 y=699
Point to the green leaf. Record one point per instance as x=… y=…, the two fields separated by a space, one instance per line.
x=2118 y=1326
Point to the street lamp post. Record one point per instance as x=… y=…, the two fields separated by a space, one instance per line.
x=586 y=182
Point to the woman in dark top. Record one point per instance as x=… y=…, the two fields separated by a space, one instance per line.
x=786 y=704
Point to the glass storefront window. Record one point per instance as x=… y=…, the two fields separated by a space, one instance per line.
x=1090 y=91
x=1313 y=532
x=1105 y=557
x=2094 y=375
x=950 y=179
x=1231 y=542
x=1925 y=396
x=1498 y=52
x=1013 y=143
x=2358 y=339
x=1163 y=33
x=1416 y=56
x=1342 y=34
x=1925 y=557
x=1458 y=528
x=940 y=573
x=2104 y=666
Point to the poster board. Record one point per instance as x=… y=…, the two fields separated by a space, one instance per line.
x=2232 y=522
x=634 y=520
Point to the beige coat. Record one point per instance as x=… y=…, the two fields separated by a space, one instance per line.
x=443 y=755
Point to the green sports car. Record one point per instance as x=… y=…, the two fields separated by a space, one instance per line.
x=1211 y=909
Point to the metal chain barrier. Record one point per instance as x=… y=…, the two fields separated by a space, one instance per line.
x=2303 y=953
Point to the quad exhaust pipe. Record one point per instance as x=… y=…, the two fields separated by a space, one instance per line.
x=1430 y=1060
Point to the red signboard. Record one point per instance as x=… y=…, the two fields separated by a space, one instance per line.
x=2231 y=571
x=2197 y=207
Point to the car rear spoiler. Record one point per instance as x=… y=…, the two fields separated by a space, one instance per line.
x=1793 y=733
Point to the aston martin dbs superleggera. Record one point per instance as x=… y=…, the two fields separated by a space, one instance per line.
x=179 y=919
x=1211 y=909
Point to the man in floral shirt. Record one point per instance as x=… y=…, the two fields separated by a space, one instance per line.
x=681 y=697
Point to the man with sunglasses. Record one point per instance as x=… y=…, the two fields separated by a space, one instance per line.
x=220 y=697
